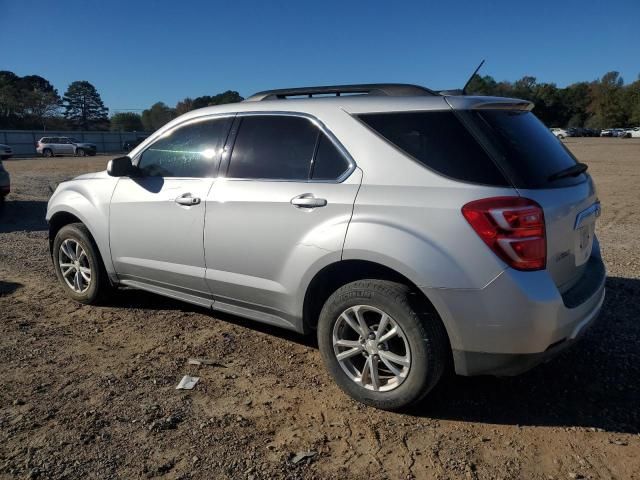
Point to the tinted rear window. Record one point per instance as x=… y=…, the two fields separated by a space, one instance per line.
x=439 y=141
x=526 y=150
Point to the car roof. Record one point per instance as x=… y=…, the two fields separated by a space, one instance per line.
x=356 y=104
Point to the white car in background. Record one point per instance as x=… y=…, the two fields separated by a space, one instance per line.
x=631 y=133
x=559 y=132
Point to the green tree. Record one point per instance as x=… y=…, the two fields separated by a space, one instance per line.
x=126 y=122
x=83 y=106
x=184 y=106
x=9 y=97
x=156 y=116
x=40 y=99
x=606 y=106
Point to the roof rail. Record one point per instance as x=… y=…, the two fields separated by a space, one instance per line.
x=384 y=89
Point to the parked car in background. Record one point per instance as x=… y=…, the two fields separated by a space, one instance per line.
x=5 y=151
x=559 y=132
x=631 y=133
x=5 y=182
x=129 y=145
x=51 y=146
x=407 y=229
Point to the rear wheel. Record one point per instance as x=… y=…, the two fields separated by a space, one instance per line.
x=381 y=344
x=78 y=265
x=47 y=152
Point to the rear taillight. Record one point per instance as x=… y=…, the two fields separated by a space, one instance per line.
x=513 y=228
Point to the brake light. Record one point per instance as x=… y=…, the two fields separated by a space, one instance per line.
x=513 y=228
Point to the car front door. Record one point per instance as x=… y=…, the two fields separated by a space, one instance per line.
x=157 y=217
x=281 y=205
x=65 y=146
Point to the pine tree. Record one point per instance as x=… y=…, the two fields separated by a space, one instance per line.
x=83 y=105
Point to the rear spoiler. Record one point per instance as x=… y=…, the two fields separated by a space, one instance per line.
x=488 y=103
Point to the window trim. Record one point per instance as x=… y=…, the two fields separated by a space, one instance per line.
x=231 y=139
x=154 y=139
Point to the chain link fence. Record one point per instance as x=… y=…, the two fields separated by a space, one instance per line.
x=23 y=142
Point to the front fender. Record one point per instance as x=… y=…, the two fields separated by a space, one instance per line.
x=88 y=200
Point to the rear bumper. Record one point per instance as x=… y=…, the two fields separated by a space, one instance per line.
x=519 y=320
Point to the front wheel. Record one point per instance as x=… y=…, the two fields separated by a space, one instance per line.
x=382 y=345
x=81 y=153
x=78 y=266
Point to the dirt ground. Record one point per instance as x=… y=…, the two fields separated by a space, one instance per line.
x=89 y=392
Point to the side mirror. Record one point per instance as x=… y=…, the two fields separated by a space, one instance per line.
x=120 y=167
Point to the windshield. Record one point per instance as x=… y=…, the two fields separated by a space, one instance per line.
x=527 y=151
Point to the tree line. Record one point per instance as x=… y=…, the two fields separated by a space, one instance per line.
x=603 y=103
x=32 y=102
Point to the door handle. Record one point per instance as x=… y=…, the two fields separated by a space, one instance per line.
x=187 y=200
x=307 y=200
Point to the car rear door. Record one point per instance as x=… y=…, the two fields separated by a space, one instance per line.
x=157 y=218
x=281 y=206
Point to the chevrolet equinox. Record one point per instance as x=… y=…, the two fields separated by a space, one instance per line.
x=409 y=229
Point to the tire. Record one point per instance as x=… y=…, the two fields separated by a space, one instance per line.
x=47 y=152
x=422 y=340
x=80 y=152
x=98 y=287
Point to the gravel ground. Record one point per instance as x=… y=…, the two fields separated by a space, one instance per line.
x=88 y=392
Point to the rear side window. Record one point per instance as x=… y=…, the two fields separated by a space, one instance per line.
x=439 y=141
x=190 y=151
x=276 y=147
x=527 y=150
x=329 y=163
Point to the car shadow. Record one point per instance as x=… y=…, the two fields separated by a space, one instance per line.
x=594 y=384
x=7 y=288
x=23 y=215
x=132 y=298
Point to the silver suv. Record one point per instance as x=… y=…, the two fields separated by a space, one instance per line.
x=50 y=146
x=409 y=229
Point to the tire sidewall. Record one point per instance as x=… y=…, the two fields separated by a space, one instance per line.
x=75 y=233
x=420 y=378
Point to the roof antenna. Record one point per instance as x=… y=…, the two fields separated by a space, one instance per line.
x=464 y=89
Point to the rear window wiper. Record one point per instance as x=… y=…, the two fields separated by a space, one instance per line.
x=572 y=171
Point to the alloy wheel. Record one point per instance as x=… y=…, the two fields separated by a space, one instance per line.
x=74 y=265
x=371 y=348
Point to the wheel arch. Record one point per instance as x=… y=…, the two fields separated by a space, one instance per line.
x=60 y=217
x=333 y=276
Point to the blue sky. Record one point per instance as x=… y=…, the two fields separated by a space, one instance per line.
x=138 y=52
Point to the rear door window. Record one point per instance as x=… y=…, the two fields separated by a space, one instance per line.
x=273 y=147
x=527 y=150
x=440 y=142
x=329 y=163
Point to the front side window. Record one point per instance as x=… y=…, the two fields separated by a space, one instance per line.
x=190 y=151
x=276 y=147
